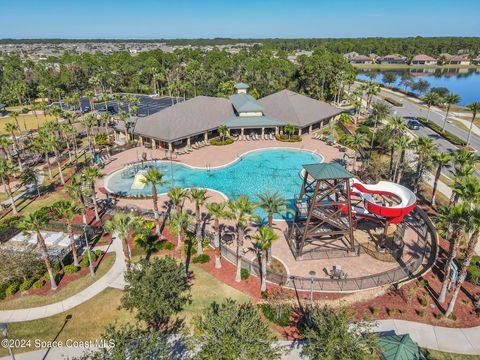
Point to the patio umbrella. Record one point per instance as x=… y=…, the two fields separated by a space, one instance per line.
x=399 y=347
x=331 y=137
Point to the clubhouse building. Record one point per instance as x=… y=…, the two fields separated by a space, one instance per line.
x=198 y=119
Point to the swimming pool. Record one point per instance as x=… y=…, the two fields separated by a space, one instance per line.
x=254 y=172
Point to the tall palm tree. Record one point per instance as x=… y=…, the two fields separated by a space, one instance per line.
x=78 y=192
x=475 y=109
x=403 y=144
x=41 y=144
x=454 y=220
x=289 y=129
x=264 y=238
x=464 y=157
x=397 y=127
x=425 y=147
x=198 y=197
x=177 y=196
x=217 y=212
x=241 y=212
x=6 y=171
x=67 y=210
x=356 y=142
x=145 y=239
x=90 y=174
x=29 y=176
x=430 y=100
x=14 y=115
x=449 y=100
x=472 y=226
x=5 y=143
x=467 y=189
x=181 y=220
x=56 y=144
x=272 y=203
x=223 y=131
x=34 y=222
x=441 y=160
x=11 y=128
x=154 y=177
x=123 y=225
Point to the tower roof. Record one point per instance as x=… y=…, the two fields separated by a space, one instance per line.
x=241 y=86
x=325 y=171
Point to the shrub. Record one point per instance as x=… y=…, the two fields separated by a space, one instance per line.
x=12 y=288
x=423 y=300
x=284 y=138
x=38 y=284
x=56 y=266
x=244 y=274
x=219 y=142
x=438 y=316
x=374 y=310
x=3 y=287
x=279 y=314
x=420 y=312
x=202 y=259
x=98 y=253
x=390 y=312
x=27 y=284
x=166 y=245
x=393 y=101
x=84 y=262
x=69 y=269
x=473 y=271
x=446 y=134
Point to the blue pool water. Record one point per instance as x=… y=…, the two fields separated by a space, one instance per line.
x=255 y=172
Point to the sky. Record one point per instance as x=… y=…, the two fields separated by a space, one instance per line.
x=150 y=19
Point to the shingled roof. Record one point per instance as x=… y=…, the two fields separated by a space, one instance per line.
x=297 y=109
x=188 y=118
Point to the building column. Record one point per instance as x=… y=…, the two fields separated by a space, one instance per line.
x=263 y=132
x=141 y=140
x=188 y=141
x=299 y=132
x=127 y=137
x=310 y=128
x=241 y=131
x=154 y=145
x=206 y=136
x=276 y=130
x=170 y=147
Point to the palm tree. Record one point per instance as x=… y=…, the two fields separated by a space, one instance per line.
x=122 y=225
x=177 y=196
x=30 y=176
x=41 y=144
x=6 y=171
x=90 y=174
x=289 y=129
x=356 y=142
x=272 y=203
x=474 y=108
x=397 y=127
x=472 y=226
x=5 y=143
x=77 y=191
x=468 y=189
x=449 y=100
x=441 y=160
x=11 y=128
x=431 y=99
x=425 y=148
x=454 y=219
x=145 y=239
x=464 y=157
x=264 y=238
x=67 y=210
x=34 y=222
x=90 y=95
x=181 y=220
x=198 y=197
x=154 y=177
x=241 y=211
x=55 y=143
x=14 y=115
x=403 y=144
x=223 y=131
x=217 y=211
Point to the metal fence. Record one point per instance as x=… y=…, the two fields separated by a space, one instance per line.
x=410 y=268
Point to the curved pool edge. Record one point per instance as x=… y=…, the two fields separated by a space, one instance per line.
x=237 y=159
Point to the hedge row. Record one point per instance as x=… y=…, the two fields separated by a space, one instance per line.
x=219 y=142
x=454 y=139
x=393 y=102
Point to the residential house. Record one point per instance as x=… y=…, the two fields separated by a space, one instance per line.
x=393 y=59
x=361 y=59
x=423 y=59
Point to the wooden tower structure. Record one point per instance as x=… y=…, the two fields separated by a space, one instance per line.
x=323 y=215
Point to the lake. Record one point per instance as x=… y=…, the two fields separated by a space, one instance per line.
x=461 y=81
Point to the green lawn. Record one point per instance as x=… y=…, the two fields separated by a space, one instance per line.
x=28 y=301
x=437 y=355
x=90 y=318
x=27 y=119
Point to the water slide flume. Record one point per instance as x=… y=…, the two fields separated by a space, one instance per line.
x=392 y=212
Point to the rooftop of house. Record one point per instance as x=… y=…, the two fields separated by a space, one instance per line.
x=423 y=57
x=245 y=103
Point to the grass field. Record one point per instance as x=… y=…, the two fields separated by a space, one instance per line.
x=27 y=120
x=437 y=355
x=70 y=289
x=90 y=318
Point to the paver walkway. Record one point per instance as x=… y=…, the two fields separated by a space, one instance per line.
x=113 y=278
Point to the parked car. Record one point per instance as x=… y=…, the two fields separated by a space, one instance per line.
x=413 y=125
x=111 y=109
x=86 y=109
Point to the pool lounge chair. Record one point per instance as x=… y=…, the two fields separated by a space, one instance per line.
x=248 y=137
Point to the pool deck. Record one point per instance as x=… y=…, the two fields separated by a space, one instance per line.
x=213 y=156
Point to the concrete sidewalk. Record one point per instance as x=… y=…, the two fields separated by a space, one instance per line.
x=113 y=278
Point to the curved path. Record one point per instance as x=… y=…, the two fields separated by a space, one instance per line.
x=113 y=278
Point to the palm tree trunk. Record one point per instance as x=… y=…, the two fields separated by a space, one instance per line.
x=48 y=265
x=47 y=159
x=263 y=287
x=446 y=118
x=155 y=209
x=463 y=272
x=59 y=165
x=6 y=185
x=95 y=205
x=73 y=245
x=240 y=234
x=435 y=184
x=199 y=230
x=182 y=247
x=448 y=265
x=470 y=130
x=218 y=254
